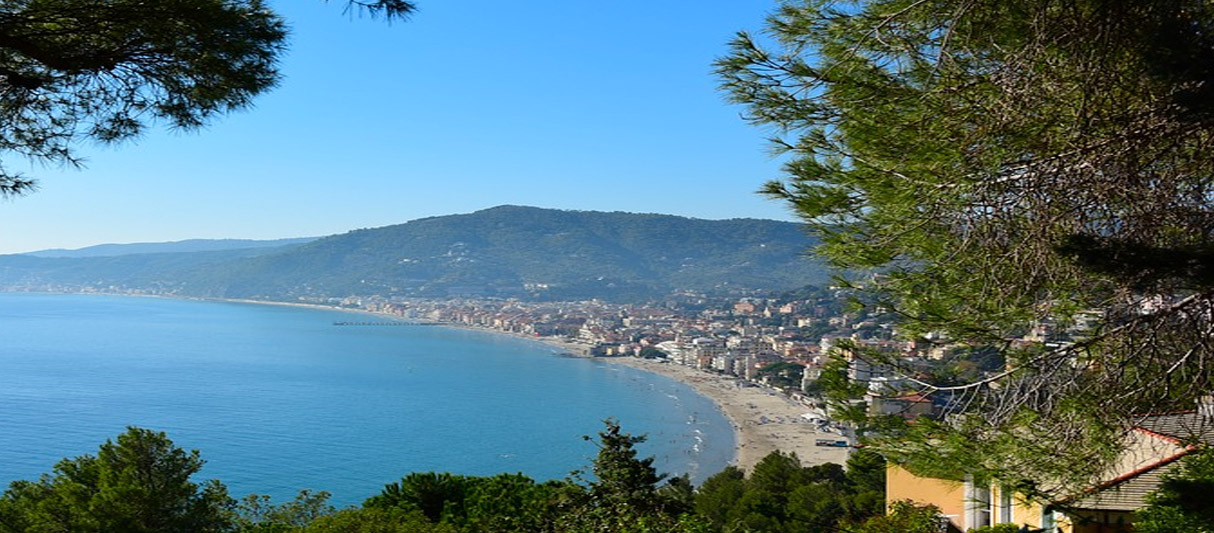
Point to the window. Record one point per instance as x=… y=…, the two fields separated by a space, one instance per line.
x=977 y=505
x=1048 y=523
x=1004 y=513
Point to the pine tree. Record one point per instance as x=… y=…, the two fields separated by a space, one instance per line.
x=138 y=483
x=103 y=70
x=982 y=166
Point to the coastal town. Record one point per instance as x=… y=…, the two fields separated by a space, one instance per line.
x=759 y=357
x=891 y=266
x=759 y=341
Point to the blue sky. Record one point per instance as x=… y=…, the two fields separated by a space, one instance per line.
x=571 y=104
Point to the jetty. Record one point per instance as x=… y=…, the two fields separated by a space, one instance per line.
x=384 y=323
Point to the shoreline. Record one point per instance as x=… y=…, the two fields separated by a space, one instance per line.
x=762 y=420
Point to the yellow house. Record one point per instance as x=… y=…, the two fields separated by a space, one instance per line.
x=1153 y=447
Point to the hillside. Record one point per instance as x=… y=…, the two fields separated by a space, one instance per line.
x=191 y=245
x=506 y=251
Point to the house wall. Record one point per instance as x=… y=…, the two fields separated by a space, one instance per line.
x=1026 y=512
x=948 y=495
x=956 y=503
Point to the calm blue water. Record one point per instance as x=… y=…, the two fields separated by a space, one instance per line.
x=278 y=399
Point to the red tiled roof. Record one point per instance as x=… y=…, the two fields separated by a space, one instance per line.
x=1127 y=492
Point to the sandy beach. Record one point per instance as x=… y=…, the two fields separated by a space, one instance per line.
x=764 y=421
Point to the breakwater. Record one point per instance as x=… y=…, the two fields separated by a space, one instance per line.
x=382 y=323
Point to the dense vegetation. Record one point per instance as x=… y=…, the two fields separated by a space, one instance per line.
x=991 y=165
x=1182 y=502
x=505 y=251
x=140 y=483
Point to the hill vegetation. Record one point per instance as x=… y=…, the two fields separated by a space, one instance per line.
x=507 y=251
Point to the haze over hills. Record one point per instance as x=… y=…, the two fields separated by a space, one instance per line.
x=506 y=251
x=190 y=245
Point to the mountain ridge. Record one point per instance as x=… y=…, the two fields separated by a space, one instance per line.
x=504 y=251
x=182 y=246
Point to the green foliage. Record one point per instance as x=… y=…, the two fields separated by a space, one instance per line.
x=783 y=374
x=257 y=514
x=981 y=166
x=578 y=254
x=624 y=495
x=678 y=495
x=622 y=480
x=376 y=520
x=434 y=495
x=100 y=70
x=505 y=502
x=866 y=470
x=138 y=484
x=388 y=9
x=841 y=393
x=903 y=517
x=513 y=502
x=782 y=496
x=1182 y=503
x=718 y=495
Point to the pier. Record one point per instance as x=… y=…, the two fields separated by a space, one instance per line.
x=383 y=323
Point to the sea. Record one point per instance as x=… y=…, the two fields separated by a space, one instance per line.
x=283 y=398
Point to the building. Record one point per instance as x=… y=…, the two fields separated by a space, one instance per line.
x=1153 y=448
x=908 y=406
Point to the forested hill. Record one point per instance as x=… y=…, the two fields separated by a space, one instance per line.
x=505 y=251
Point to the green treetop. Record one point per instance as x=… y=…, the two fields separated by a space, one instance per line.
x=1181 y=504
x=102 y=70
x=139 y=483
